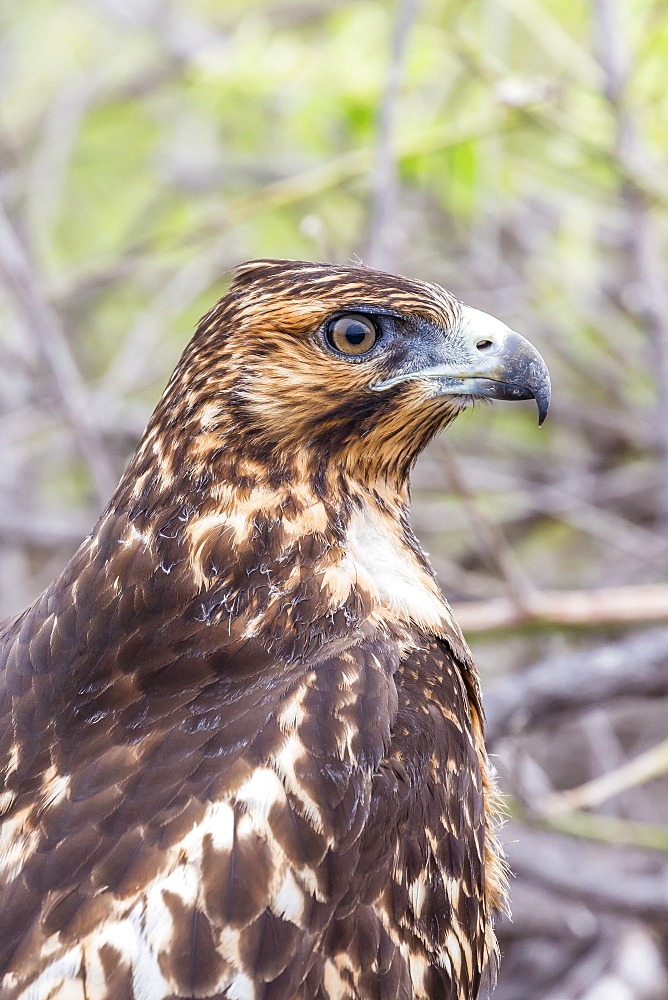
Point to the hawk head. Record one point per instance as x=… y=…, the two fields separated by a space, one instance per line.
x=315 y=363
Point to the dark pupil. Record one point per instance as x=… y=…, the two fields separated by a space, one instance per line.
x=355 y=333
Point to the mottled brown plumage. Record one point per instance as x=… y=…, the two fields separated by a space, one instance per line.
x=240 y=734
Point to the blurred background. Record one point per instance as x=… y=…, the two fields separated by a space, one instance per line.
x=513 y=151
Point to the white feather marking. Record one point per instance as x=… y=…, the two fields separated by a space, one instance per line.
x=182 y=882
x=16 y=845
x=93 y=970
x=443 y=959
x=284 y=762
x=260 y=792
x=228 y=945
x=55 y=789
x=241 y=988
x=6 y=801
x=135 y=535
x=119 y=933
x=309 y=879
x=148 y=981
x=418 y=966
x=453 y=950
x=335 y=987
x=289 y=899
x=349 y=677
x=402 y=586
x=416 y=894
x=158 y=926
x=58 y=980
x=218 y=823
x=14 y=755
x=292 y=712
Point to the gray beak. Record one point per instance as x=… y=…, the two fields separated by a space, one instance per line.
x=496 y=363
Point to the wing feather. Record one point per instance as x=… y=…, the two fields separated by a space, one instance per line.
x=226 y=819
x=199 y=802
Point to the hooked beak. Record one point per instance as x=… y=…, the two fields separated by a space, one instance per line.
x=496 y=362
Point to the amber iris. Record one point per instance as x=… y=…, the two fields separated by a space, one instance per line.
x=352 y=334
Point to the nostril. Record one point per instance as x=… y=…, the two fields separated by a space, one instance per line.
x=484 y=345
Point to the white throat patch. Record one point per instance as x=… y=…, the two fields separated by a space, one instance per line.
x=401 y=584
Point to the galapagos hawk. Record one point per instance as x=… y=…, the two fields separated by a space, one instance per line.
x=241 y=738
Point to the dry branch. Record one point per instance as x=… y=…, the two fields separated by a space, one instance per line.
x=593 y=826
x=42 y=324
x=637 y=666
x=634 y=605
x=645 y=238
x=642 y=768
x=490 y=537
x=585 y=871
x=382 y=240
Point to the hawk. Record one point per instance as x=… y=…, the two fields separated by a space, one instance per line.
x=241 y=737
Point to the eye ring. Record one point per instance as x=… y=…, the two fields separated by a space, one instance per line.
x=352 y=334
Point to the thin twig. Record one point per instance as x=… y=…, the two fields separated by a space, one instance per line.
x=538 y=109
x=558 y=44
x=580 y=870
x=593 y=826
x=490 y=537
x=354 y=163
x=645 y=242
x=382 y=240
x=50 y=162
x=42 y=324
x=634 y=667
x=634 y=772
x=132 y=358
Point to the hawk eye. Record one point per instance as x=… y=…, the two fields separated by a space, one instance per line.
x=352 y=334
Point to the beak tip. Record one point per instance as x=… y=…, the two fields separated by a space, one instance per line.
x=543 y=404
